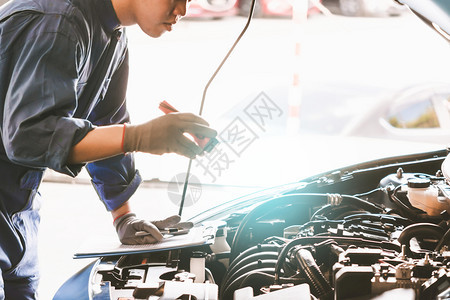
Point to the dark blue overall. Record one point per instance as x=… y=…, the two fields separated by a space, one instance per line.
x=63 y=71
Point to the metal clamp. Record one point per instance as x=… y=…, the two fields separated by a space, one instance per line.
x=334 y=199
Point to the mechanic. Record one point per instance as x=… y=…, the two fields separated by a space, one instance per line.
x=63 y=79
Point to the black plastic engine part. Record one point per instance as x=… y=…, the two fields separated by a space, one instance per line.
x=353 y=281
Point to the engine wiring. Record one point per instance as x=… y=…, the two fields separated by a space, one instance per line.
x=314 y=243
x=376 y=235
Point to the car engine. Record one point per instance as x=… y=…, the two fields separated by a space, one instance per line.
x=390 y=240
x=376 y=230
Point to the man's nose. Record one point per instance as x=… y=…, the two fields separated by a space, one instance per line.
x=181 y=8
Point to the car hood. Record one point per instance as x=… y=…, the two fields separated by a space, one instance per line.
x=436 y=13
x=237 y=208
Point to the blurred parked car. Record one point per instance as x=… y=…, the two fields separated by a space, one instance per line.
x=283 y=8
x=370 y=8
x=212 y=8
x=225 y=8
x=354 y=8
x=418 y=113
x=272 y=8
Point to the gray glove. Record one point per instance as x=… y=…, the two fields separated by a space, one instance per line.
x=165 y=135
x=127 y=227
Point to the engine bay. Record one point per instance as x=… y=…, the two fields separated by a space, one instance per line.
x=352 y=233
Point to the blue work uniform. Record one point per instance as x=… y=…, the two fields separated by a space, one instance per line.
x=63 y=71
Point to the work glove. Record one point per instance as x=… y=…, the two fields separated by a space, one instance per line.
x=165 y=134
x=134 y=231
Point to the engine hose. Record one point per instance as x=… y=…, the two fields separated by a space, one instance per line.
x=379 y=189
x=336 y=250
x=444 y=241
x=411 y=213
x=308 y=266
x=255 y=249
x=383 y=218
x=351 y=201
x=268 y=206
x=252 y=258
x=320 y=211
x=360 y=203
x=268 y=263
x=342 y=211
x=419 y=229
x=283 y=201
x=247 y=260
x=227 y=293
x=335 y=213
x=209 y=276
x=230 y=276
x=323 y=224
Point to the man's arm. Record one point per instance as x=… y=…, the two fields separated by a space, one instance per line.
x=100 y=143
x=164 y=134
x=121 y=210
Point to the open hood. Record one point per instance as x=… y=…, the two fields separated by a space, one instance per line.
x=436 y=13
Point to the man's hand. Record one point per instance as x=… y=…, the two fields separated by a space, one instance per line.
x=128 y=225
x=166 y=135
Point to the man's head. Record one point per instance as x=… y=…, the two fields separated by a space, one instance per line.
x=153 y=16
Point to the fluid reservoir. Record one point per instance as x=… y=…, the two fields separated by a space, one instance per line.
x=221 y=246
x=423 y=195
x=197 y=266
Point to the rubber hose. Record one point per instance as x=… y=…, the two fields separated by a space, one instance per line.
x=309 y=267
x=251 y=258
x=360 y=203
x=254 y=249
x=262 y=209
x=380 y=218
x=269 y=263
x=247 y=260
x=209 y=276
x=283 y=201
x=419 y=229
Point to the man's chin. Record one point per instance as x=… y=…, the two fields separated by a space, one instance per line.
x=154 y=33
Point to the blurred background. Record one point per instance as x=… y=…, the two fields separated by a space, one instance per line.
x=357 y=80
